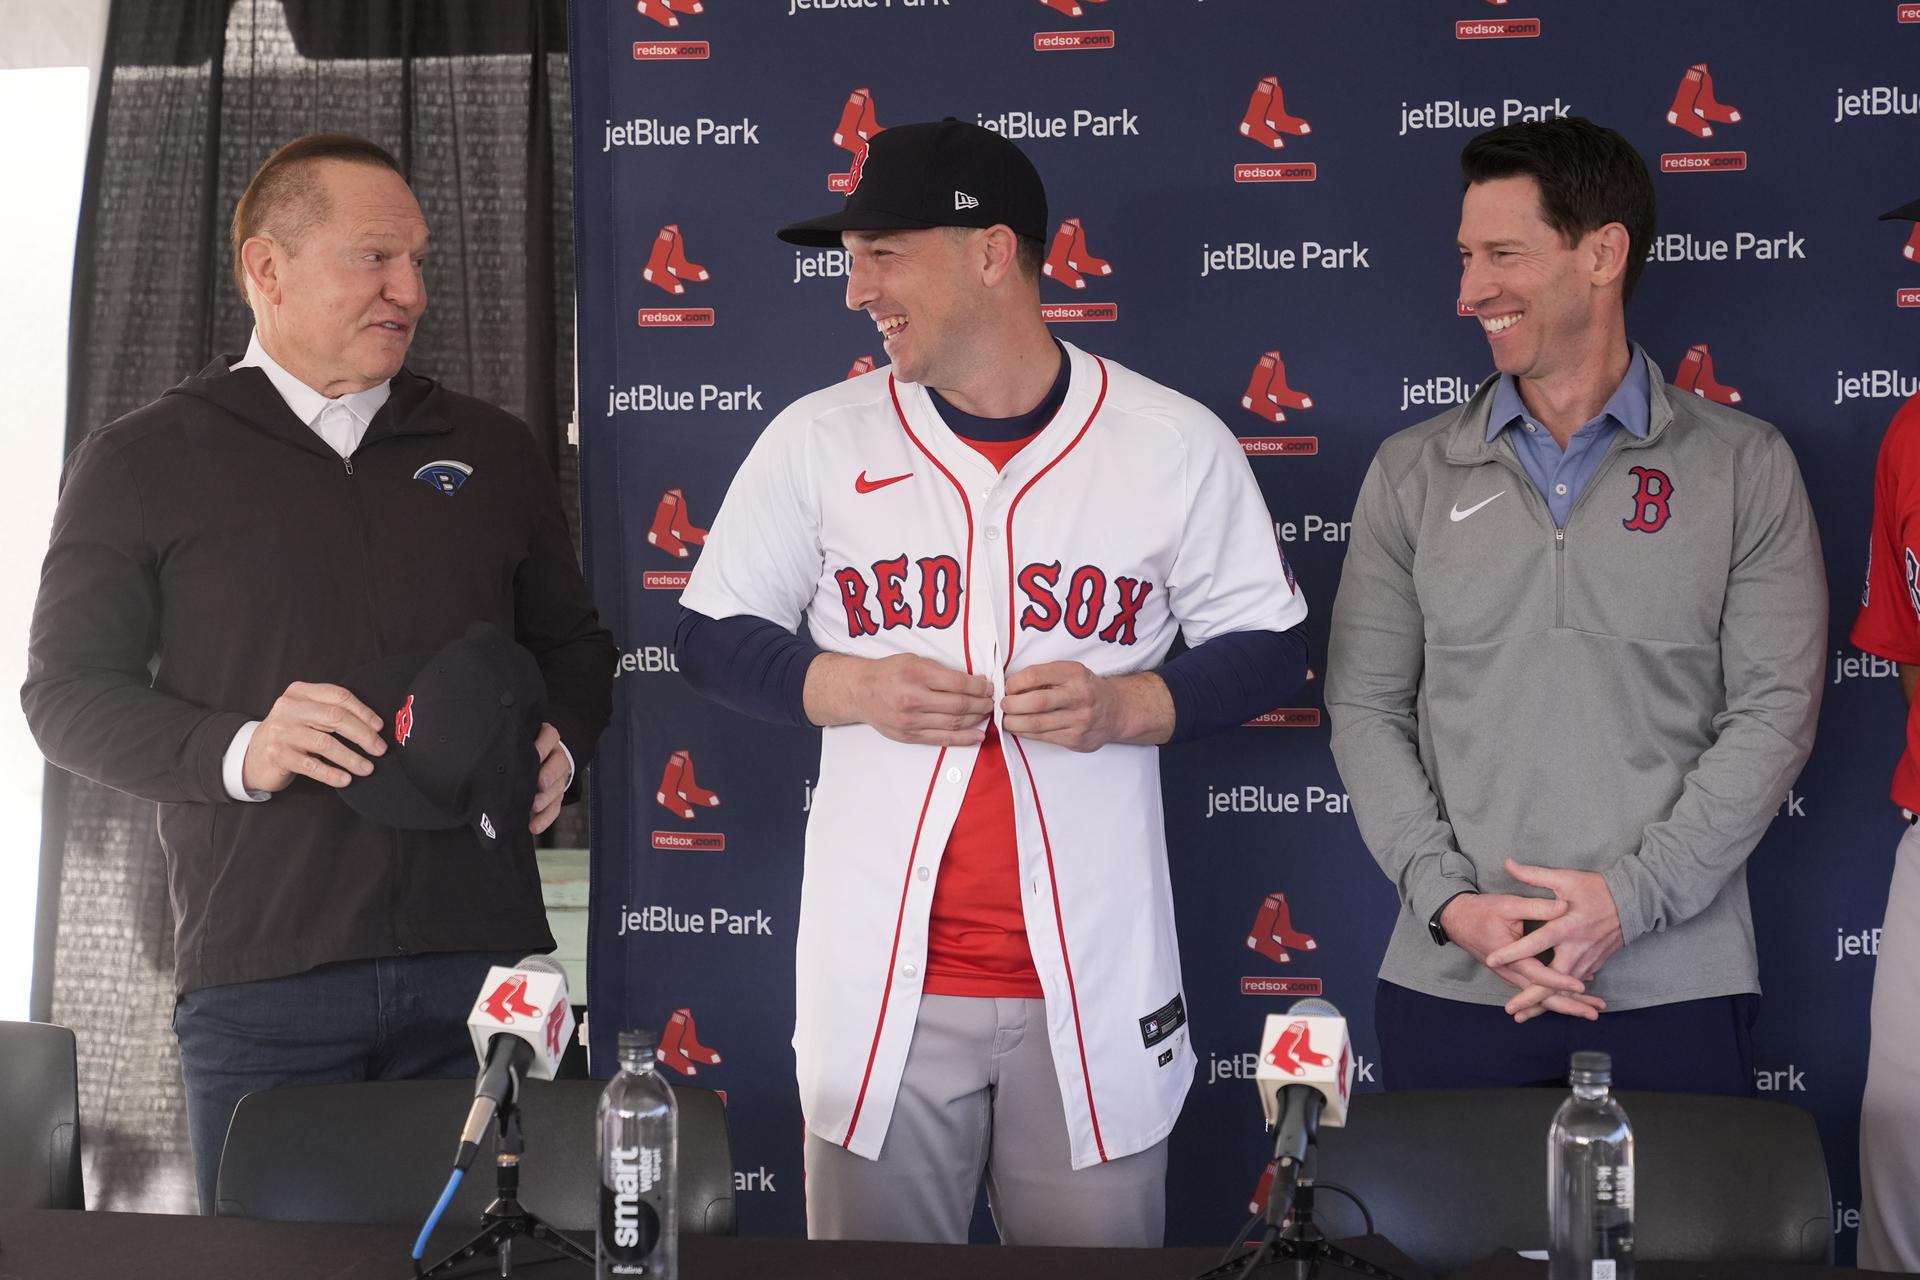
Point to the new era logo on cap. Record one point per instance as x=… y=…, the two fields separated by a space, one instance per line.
x=961 y=200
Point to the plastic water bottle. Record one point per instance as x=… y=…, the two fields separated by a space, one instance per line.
x=1590 y=1178
x=639 y=1141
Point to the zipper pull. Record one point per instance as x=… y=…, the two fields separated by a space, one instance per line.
x=1559 y=535
x=348 y=462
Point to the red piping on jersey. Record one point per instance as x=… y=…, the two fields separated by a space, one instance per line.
x=1012 y=624
x=966 y=617
x=886 y=992
x=1073 y=998
x=966 y=574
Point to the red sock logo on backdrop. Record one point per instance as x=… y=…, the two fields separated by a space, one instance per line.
x=671 y=530
x=1651 y=503
x=857 y=127
x=667 y=267
x=1071 y=264
x=1273 y=934
x=1696 y=375
x=1694 y=107
x=679 y=794
x=1267 y=117
x=680 y=1046
x=1269 y=396
x=1695 y=110
x=666 y=12
x=1068 y=261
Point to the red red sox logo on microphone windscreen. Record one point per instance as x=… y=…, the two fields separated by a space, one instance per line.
x=556 y=1019
x=1293 y=1051
x=509 y=999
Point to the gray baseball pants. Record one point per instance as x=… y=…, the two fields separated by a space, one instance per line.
x=980 y=1097
x=1890 y=1111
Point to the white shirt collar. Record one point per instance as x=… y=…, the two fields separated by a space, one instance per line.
x=306 y=403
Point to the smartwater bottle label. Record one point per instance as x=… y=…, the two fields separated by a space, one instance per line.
x=1623 y=1187
x=629 y=1226
x=1603 y=1269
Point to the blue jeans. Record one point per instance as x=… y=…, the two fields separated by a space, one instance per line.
x=397 y=1018
x=1690 y=1046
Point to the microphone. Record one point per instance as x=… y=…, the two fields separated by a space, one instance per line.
x=1305 y=1078
x=520 y=1026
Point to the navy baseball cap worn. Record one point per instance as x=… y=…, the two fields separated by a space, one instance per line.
x=1909 y=212
x=944 y=174
x=459 y=726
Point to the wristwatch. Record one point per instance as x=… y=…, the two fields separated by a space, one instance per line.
x=1434 y=930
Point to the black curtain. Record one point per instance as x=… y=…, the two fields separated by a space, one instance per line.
x=473 y=97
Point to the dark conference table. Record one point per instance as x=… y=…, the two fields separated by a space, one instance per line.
x=55 y=1245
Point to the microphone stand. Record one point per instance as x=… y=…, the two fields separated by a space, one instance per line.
x=1296 y=1245
x=505 y=1219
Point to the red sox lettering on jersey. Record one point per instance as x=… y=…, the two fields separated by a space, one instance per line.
x=878 y=598
x=1132 y=517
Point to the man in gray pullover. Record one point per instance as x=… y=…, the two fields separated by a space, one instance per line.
x=1575 y=663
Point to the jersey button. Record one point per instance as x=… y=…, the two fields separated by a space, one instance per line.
x=923 y=873
x=993 y=532
x=953 y=775
x=909 y=971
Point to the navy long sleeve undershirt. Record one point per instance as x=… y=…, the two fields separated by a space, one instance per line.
x=759 y=668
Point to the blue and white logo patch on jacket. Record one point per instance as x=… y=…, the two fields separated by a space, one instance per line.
x=446 y=475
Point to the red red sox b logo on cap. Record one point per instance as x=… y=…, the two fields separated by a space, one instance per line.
x=1652 y=502
x=403 y=722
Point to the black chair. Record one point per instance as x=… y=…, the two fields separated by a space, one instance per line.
x=1454 y=1175
x=380 y=1152
x=39 y=1117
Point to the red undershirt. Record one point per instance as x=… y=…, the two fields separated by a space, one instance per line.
x=977 y=931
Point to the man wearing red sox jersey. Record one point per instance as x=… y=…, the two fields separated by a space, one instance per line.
x=1889 y=625
x=992 y=544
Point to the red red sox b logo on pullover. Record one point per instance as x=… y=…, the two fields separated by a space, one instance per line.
x=879 y=599
x=1652 y=502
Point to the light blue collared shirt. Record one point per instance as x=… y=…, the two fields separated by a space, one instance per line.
x=1561 y=475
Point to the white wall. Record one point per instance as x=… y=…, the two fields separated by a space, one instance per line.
x=49 y=56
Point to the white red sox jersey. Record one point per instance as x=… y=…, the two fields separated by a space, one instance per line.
x=1133 y=514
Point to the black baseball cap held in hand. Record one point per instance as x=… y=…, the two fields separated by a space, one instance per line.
x=945 y=174
x=459 y=727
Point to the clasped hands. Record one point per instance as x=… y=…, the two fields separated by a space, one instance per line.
x=1579 y=922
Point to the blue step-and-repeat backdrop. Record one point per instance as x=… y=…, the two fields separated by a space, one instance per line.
x=1275 y=189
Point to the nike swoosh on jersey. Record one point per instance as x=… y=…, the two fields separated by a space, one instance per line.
x=1457 y=515
x=863 y=485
